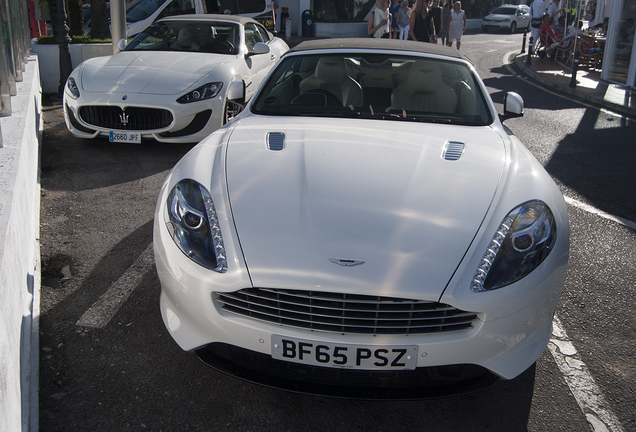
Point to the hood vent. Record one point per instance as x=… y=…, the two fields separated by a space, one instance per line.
x=276 y=141
x=453 y=150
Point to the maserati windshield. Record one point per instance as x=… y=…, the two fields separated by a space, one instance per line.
x=380 y=86
x=192 y=36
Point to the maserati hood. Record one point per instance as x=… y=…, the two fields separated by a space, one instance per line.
x=154 y=72
x=359 y=206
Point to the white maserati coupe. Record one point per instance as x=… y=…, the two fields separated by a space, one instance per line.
x=366 y=227
x=177 y=81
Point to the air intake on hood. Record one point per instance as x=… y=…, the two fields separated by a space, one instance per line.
x=276 y=141
x=453 y=150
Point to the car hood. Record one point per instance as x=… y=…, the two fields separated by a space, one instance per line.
x=377 y=193
x=499 y=16
x=155 y=72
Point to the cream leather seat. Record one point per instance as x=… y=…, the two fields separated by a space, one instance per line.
x=186 y=40
x=424 y=90
x=331 y=75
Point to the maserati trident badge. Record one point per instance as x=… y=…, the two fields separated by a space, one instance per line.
x=346 y=262
x=123 y=117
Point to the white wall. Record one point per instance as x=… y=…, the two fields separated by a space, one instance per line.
x=19 y=254
x=49 y=64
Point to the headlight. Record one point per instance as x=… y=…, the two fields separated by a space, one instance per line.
x=194 y=227
x=524 y=239
x=72 y=87
x=206 y=91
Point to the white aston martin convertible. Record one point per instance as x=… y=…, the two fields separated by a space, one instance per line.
x=366 y=227
x=177 y=81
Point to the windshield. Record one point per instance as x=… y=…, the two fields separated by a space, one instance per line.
x=505 y=11
x=379 y=86
x=141 y=9
x=215 y=37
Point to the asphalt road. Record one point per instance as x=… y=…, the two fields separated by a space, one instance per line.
x=98 y=201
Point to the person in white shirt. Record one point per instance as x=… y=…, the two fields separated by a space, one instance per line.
x=537 y=10
x=379 y=25
x=554 y=10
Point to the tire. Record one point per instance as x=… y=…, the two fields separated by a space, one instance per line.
x=513 y=27
x=232 y=109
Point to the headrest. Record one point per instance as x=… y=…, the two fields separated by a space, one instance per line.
x=425 y=75
x=185 y=35
x=331 y=69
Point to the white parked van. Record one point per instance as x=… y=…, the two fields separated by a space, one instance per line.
x=141 y=13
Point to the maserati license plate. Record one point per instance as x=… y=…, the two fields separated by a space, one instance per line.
x=337 y=355
x=125 y=137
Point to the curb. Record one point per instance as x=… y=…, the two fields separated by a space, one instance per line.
x=624 y=110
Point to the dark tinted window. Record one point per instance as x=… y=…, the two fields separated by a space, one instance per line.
x=235 y=7
x=505 y=11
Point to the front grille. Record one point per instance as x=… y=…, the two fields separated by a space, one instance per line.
x=345 y=313
x=131 y=118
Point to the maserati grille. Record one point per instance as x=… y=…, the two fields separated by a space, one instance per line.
x=131 y=118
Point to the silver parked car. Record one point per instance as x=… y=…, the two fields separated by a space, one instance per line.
x=508 y=17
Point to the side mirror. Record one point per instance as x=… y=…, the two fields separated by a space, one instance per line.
x=259 y=48
x=236 y=91
x=513 y=106
x=121 y=44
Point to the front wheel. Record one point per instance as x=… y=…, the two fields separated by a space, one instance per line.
x=513 y=27
x=232 y=109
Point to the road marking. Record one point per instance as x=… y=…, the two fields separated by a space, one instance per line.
x=104 y=309
x=581 y=383
x=590 y=209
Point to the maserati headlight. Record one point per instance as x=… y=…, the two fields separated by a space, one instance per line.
x=72 y=87
x=206 y=91
x=193 y=225
x=524 y=239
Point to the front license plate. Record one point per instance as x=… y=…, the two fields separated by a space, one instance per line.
x=327 y=354
x=126 y=137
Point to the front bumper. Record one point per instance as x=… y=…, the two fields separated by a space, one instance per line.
x=504 y=346
x=496 y=25
x=421 y=383
x=191 y=122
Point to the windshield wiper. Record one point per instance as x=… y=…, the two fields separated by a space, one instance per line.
x=440 y=119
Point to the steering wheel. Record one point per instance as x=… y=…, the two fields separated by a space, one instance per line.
x=332 y=99
x=222 y=47
x=229 y=44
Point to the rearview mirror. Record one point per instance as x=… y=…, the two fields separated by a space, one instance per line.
x=513 y=106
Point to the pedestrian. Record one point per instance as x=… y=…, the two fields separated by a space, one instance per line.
x=446 y=14
x=394 y=9
x=436 y=11
x=380 y=20
x=457 y=25
x=537 y=10
x=404 y=15
x=422 y=27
